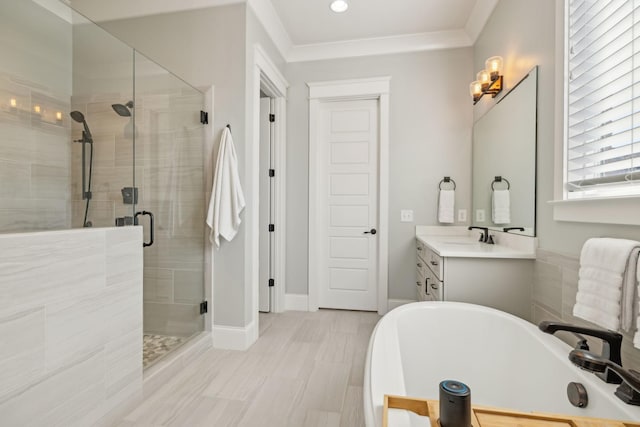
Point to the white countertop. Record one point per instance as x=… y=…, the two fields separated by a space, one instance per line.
x=458 y=246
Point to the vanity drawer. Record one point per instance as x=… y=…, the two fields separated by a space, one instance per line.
x=421 y=251
x=434 y=262
x=428 y=257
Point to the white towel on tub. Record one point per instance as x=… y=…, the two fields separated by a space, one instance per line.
x=446 y=206
x=602 y=287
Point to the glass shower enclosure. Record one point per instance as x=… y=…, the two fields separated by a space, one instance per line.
x=94 y=134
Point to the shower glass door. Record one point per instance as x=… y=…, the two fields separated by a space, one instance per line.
x=168 y=153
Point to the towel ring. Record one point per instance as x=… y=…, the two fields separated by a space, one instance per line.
x=446 y=179
x=500 y=179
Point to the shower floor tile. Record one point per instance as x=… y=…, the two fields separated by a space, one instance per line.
x=156 y=346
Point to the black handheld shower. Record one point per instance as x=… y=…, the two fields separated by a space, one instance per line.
x=79 y=117
x=86 y=184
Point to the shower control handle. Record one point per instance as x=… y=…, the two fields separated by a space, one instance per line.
x=151 y=226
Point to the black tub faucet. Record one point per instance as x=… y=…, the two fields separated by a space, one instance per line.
x=485 y=237
x=611 y=344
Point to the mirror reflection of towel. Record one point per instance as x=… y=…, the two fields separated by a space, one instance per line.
x=501 y=207
x=446 y=203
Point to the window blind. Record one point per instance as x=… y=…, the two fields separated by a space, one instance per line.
x=603 y=99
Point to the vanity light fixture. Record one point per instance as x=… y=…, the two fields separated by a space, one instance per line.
x=13 y=103
x=339 y=6
x=488 y=81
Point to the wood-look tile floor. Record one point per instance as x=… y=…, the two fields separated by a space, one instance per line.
x=306 y=369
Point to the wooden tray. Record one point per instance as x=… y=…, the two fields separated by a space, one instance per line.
x=494 y=417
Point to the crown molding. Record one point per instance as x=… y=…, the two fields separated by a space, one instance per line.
x=479 y=17
x=112 y=10
x=380 y=46
x=267 y=15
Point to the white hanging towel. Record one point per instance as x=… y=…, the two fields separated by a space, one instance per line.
x=501 y=207
x=227 y=199
x=604 y=283
x=446 y=206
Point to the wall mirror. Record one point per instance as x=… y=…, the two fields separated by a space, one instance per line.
x=504 y=161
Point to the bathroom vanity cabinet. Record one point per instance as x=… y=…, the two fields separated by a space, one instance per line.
x=456 y=269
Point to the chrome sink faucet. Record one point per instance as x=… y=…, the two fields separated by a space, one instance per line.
x=485 y=237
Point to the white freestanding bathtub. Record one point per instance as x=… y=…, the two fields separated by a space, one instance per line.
x=506 y=362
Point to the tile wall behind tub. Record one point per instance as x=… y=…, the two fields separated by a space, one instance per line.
x=554 y=295
x=170 y=181
x=35 y=153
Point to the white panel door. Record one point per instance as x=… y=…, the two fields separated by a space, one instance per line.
x=348 y=159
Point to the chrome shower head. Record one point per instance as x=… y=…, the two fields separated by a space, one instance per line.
x=123 y=110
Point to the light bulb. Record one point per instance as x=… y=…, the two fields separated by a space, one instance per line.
x=13 y=102
x=484 y=79
x=36 y=109
x=494 y=66
x=475 y=89
x=339 y=6
x=59 y=116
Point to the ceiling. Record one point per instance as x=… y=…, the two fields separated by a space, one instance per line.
x=307 y=29
x=313 y=21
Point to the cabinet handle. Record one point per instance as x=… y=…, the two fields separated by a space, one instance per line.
x=434 y=263
x=418 y=283
x=419 y=265
x=434 y=286
x=419 y=248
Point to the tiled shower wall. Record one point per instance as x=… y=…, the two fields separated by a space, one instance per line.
x=555 y=286
x=35 y=148
x=170 y=181
x=35 y=154
x=70 y=325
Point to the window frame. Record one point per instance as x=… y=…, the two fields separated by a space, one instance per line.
x=605 y=209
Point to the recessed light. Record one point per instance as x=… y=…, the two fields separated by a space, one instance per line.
x=339 y=6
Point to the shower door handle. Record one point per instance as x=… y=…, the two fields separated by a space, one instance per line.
x=145 y=244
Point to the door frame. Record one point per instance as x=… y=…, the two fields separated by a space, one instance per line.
x=376 y=88
x=267 y=76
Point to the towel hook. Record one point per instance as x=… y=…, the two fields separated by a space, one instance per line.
x=447 y=179
x=500 y=179
x=229 y=126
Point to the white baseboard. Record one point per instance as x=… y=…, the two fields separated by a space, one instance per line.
x=393 y=303
x=234 y=337
x=296 y=302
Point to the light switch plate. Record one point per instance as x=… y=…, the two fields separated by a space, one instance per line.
x=462 y=215
x=480 y=215
x=406 y=216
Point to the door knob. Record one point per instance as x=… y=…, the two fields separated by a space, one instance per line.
x=372 y=231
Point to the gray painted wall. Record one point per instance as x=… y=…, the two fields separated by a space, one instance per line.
x=524 y=34
x=430 y=137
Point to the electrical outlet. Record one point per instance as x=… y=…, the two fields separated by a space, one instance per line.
x=462 y=215
x=406 y=216
x=480 y=215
